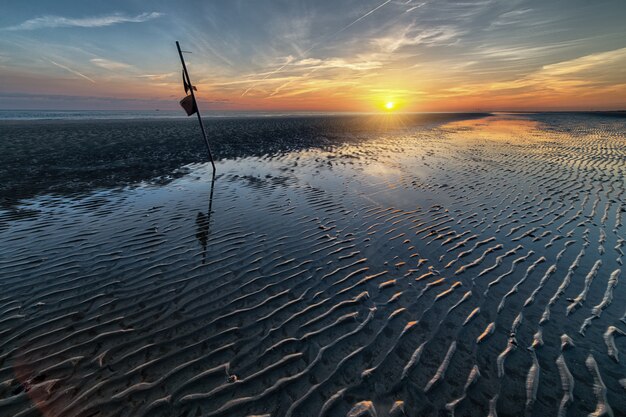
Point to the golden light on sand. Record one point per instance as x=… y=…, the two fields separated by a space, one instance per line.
x=390 y=105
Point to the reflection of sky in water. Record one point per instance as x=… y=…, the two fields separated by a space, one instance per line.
x=397 y=166
x=375 y=170
x=504 y=127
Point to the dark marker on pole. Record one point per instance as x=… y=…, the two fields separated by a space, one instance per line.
x=191 y=106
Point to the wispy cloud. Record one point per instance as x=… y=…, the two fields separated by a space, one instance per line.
x=525 y=52
x=413 y=35
x=67 y=101
x=584 y=75
x=413 y=7
x=526 y=18
x=289 y=60
x=315 y=63
x=587 y=63
x=324 y=38
x=512 y=17
x=84 y=22
x=157 y=77
x=72 y=71
x=110 y=65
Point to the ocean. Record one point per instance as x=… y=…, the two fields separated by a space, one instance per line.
x=139 y=114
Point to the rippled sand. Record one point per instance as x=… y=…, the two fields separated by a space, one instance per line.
x=471 y=267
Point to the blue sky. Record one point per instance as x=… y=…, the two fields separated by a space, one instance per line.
x=315 y=55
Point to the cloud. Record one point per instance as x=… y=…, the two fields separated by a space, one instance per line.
x=411 y=7
x=157 y=77
x=325 y=39
x=512 y=17
x=8 y=101
x=579 y=76
x=412 y=35
x=301 y=76
x=316 y=63
x=110 y=65
x=522 y=18
x=288 y=61
x=84 y=22
x=525 y=54
x=587 y=62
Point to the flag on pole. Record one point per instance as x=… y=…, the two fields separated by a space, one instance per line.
x=188 y=103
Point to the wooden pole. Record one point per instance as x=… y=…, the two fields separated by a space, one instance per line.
x=195 y=103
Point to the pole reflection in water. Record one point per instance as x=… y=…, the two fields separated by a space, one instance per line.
x=203 y=223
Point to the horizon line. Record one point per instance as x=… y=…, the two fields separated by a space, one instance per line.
x=556 y=110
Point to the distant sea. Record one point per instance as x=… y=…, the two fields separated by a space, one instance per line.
x=136 y=114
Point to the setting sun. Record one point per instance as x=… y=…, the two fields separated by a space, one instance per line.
x=390 y=105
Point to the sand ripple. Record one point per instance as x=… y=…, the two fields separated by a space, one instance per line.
x=469 y=268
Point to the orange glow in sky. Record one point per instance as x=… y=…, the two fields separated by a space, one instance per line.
x=317 y=55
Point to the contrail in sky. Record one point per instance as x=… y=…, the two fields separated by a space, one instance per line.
x=359 y=19
x=289 y=61
x=317 y=43
x=72 y=71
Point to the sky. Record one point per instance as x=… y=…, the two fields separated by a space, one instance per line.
x=315 y=55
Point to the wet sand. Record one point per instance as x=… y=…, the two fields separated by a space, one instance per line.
x=462 y=266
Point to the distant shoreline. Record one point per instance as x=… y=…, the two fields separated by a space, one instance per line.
x=103 y=115
x=130 y=115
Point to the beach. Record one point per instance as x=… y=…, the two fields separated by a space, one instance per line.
x=361 y=265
